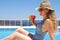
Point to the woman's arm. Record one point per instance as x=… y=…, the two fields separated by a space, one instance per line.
x=50 y=29
x=34 y=22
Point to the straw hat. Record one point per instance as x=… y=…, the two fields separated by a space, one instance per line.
x=45 y=4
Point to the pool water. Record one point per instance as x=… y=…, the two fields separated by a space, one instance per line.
x=4 y=32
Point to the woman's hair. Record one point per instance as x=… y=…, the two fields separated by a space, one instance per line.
x=51 y=15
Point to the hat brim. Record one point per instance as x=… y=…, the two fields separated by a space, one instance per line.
x=44 y=7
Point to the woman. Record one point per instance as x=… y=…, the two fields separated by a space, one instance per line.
x=48 y=24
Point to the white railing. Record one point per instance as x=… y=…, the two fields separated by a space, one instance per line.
x=17 y=26
x=20 y=26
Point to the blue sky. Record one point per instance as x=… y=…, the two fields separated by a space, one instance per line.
x=21 y=9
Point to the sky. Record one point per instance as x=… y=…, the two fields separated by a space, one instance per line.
x=21 y=9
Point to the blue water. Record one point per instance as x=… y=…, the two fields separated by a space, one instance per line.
x=4 y=32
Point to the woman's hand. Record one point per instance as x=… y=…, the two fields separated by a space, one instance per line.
x=32 y=19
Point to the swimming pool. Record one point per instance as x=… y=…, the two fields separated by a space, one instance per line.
x=4 y=32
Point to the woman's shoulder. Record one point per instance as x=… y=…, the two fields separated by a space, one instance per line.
x=48 y=21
